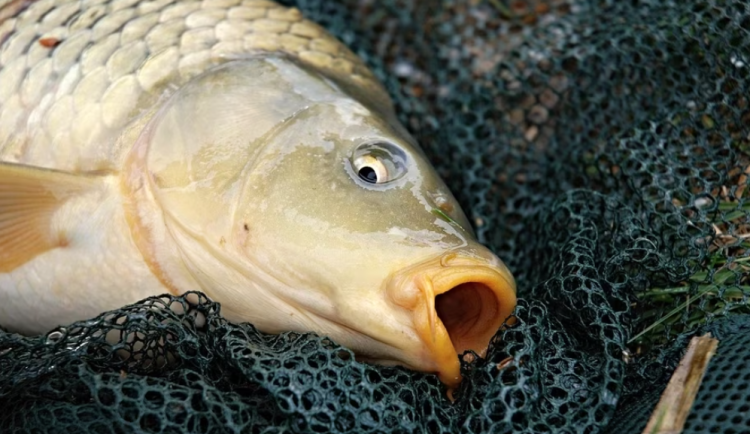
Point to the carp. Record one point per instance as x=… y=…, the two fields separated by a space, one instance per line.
x=235 y=148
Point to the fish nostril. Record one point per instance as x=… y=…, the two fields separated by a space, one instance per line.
x=470 y=313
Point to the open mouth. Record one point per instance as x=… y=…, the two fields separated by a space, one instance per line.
x=470 y=313
x=456 y=307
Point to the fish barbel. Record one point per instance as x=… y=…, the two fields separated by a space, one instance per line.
x=236 y=148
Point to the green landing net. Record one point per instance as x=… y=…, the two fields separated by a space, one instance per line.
x=600 y=148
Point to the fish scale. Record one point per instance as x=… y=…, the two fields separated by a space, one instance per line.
x=115 y=59
x=164 y=146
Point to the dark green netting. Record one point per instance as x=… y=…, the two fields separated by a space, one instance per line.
x=722 y=404
x=723 y=401
x=599 y=148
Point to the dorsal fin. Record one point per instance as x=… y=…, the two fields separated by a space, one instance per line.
x=29 y=196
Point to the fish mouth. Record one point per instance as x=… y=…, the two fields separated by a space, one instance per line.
x=458 y=304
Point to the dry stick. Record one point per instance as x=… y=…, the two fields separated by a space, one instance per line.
x=742 y=183
x=674 y=406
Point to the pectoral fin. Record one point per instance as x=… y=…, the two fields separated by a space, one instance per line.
x=29 y=196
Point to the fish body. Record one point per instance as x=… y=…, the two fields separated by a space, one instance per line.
x=231 y=147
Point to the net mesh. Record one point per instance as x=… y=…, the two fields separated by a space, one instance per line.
x=600 y=148
x=723 y=402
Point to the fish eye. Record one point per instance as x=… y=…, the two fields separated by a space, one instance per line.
x=378 y=163
x=371 y=170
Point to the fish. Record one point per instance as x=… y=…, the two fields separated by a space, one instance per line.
x=231 y=147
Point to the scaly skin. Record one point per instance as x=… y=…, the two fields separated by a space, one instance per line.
x=186 y=157
x=74 y=75
x=64 y=106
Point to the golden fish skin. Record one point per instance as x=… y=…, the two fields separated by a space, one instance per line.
x=232 y=147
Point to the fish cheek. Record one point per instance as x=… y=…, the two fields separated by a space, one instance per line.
x=312 y=213
x=315 y=184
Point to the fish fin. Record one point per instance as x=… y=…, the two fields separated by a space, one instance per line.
x=29 y=197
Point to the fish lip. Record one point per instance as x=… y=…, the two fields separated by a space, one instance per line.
x=417 y=288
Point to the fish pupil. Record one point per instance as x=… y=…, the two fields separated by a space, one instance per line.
x=368 y=174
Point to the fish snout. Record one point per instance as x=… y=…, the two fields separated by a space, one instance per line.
x=457 y=303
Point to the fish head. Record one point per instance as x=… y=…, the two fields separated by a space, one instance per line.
x=301 y=207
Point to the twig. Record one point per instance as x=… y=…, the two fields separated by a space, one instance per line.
x=677 y=400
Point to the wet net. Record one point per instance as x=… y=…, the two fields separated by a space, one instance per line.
x=600 y=148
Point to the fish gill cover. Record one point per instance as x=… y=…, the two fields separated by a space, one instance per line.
x=599 y=147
